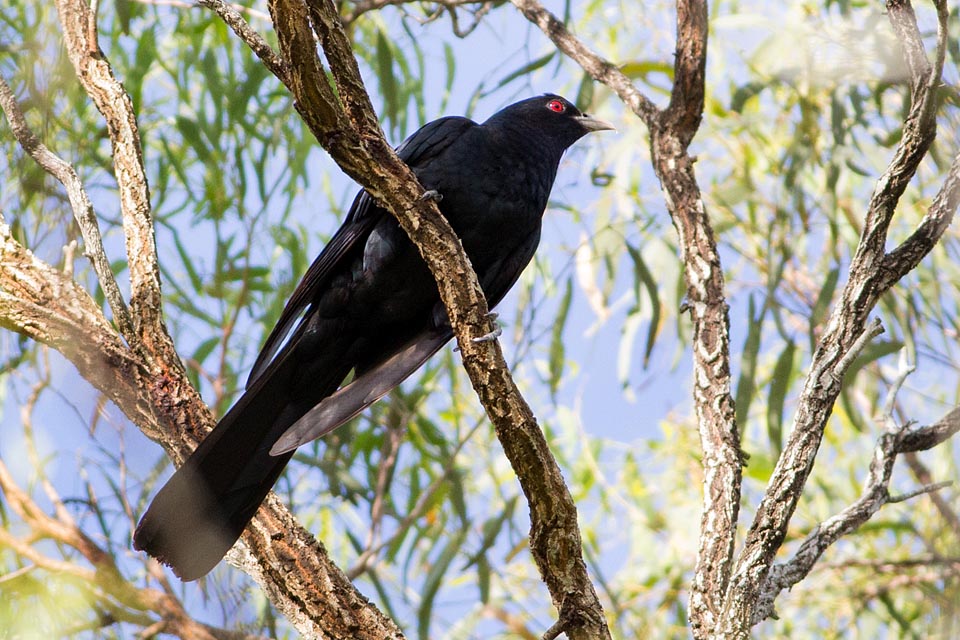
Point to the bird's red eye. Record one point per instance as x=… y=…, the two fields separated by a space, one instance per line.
x=556 y=106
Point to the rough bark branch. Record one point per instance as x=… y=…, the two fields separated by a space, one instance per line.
x=353 y=138
x=83 y=211
x=875 y=494
x=672 y=129
x=599 y=68
x=232 y=17
x=910 y=252
x=78 y=25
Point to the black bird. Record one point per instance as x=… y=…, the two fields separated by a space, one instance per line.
x=368 y=304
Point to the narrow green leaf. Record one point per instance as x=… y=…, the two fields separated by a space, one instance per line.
x=530 y=67
x=779 y=385
x=187 y=262
x=433 y=581
x=205 y=349
x=642 y=69
x=243 y=273
x=388 y=83
x=822 y=305
x=491 y=532
x=645 y=277
x=451 y=66
x=747 y=382
x=557 y=349
x=175 y=158
x=483 y=579
x=744 y=93
x=585 y=92
x=190 y=131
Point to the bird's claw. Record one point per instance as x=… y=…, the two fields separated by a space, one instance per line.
x=488 y=337
x=431 y=194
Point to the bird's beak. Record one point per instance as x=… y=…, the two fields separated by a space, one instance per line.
x=590 y=123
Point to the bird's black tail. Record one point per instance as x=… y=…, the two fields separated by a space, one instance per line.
x=202 y=510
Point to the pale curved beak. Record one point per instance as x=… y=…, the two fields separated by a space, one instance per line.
x=590 y=123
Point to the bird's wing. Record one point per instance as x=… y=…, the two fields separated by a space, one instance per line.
x=417 y=150
x=363 y=391
x=361 y=219
x=432 y=139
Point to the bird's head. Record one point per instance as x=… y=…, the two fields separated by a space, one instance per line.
x=553 y=118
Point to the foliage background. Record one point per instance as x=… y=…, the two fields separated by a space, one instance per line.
x=804 y=107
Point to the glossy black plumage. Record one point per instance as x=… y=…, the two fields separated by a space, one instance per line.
x=368 y=304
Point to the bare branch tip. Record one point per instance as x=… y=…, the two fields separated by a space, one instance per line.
x=927 y=488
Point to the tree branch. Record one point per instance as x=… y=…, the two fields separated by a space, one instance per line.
x=78 y=24
x=866 y=283
x=83 y=211
x=600 y=69
x=875 y=494
x=672 y=130
x=232 y=17
x=353 y=138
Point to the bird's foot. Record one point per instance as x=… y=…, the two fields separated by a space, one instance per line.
x=488 y=337
x=431 y=194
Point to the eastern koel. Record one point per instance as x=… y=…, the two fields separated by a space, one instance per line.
x=367 y=305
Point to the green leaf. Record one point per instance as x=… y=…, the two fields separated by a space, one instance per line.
x=192 y=135
x=557 y=348
x=483 y=579
x=388 y=83
x=530 y=67
x=779 y=386
x=744 y=93
x=819 y=311
x=205 y=349
x=585 y=92
x=433 y=581
x=747 y=382
x=491 y=532
x=645 y=277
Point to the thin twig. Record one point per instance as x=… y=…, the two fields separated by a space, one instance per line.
x=230 y=14
x=599 y=68
x=903 y=372
x=927 y=488
x=943 y=506
x=82 y=207
x=872 y=331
